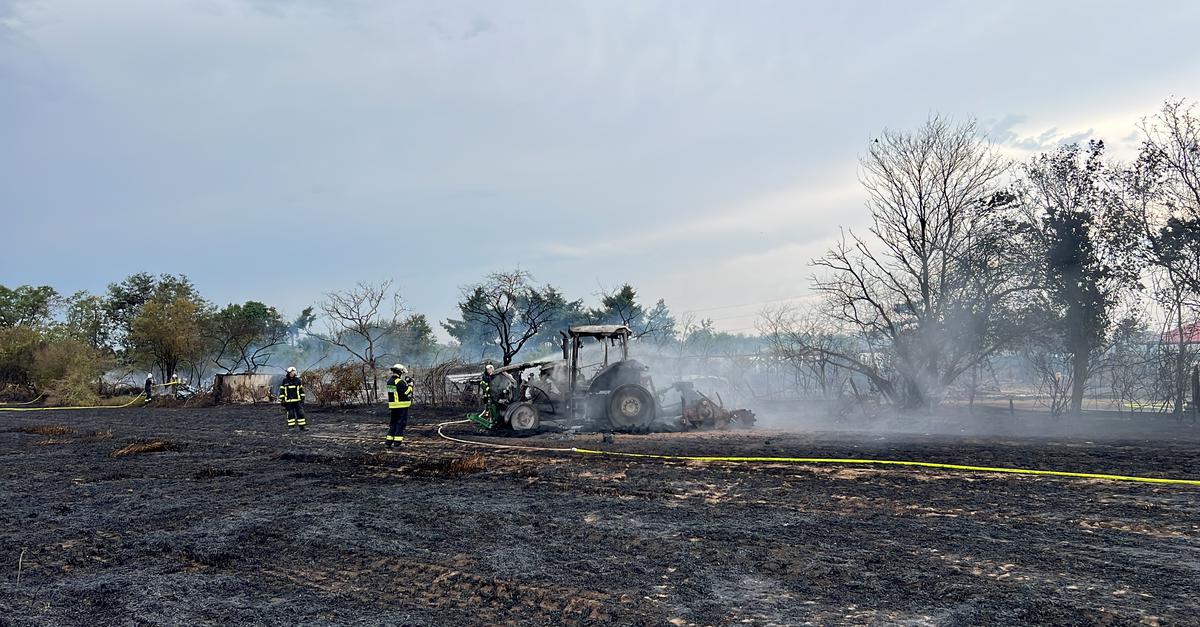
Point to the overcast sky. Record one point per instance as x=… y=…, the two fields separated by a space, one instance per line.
x=702 y=151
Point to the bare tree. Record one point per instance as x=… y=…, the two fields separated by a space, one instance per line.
x=359 y=321
x=1053 y=374
x=511 y=308
x=936 y=283
x=807 y=341
x=1163 y=189
x=1132 y=362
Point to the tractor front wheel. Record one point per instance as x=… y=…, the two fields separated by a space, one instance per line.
x=523 y=417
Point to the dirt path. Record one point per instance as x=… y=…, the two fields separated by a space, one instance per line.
x=235 y=522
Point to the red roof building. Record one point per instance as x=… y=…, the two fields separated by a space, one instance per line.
x=1191 y=334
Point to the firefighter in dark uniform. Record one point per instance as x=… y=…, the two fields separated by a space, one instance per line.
x=149 y=387
x=485 y=392
x=291 y=396
x=399 y=398
x=485 y=384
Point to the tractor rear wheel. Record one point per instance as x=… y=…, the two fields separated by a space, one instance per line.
x=631 y=407
x=523 y=417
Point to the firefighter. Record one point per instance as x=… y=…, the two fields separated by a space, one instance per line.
x=291 y=396
x=485 y=391
x=149 y=386
x=485 y=383
x=399 y=397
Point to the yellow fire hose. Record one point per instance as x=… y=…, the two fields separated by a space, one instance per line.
x=826 y=460
x=135 y=399
x=5 y=407
x=27 y=402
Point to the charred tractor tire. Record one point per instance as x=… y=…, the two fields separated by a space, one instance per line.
x=523 y=417
x=631 y=408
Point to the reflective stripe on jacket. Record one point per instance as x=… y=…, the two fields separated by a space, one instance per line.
x=291 y=390
x=485 y=386
x=399 y=393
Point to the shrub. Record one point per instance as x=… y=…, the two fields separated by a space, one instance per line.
x=76 y=389
x=17 y=347
x=336 y=385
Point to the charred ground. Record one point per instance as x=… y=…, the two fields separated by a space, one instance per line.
x=216 y=516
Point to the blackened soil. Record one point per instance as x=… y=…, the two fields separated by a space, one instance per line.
x=235 y=521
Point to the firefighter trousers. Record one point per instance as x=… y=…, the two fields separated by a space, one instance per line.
x=295 y=414
x=397 y=423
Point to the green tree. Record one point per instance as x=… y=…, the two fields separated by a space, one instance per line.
x=660 y=326
x=27 y=305
x=621 y=306
x=566 y=313
x=475 y=335
x=166 y=334
x=17 y=347
x=1087 y=243
x=244 y=336
x=125 y=300
x=508 y=310
x=88 y=321
x=412 y=340
x=300 y=326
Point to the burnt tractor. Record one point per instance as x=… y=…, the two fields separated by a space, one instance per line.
x=615 y=393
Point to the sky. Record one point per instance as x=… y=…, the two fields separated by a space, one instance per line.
x=704 y=152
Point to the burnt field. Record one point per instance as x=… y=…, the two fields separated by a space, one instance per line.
x=215 y=516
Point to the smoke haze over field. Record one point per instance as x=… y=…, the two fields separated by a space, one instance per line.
x=703 y=152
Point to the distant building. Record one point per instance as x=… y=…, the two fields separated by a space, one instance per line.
x=1191 y=334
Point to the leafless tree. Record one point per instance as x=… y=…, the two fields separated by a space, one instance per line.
x=1172 y=149
x=1163 y=188
x=937 y=281
x=1132 y=363
x=1053 y=374
x=809 y=343
x=359 y=320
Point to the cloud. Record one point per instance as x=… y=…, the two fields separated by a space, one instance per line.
x=737 y=288
x=1004 y=132
x=476 y=27
x=12 y=23
x=1077 y=138
x=697 y=141
x=1001 y=131
x=785 y=211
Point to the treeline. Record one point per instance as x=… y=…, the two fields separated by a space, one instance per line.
x=64 y=346
x=1082 y=271
x=78 y=346
x=1084 y=268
